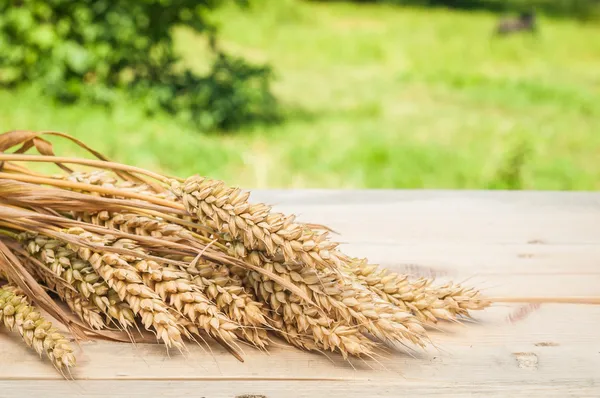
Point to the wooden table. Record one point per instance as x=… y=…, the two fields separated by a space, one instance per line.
x=519 y=244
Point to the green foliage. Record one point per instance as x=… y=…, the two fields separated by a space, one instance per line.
x=95 y=50
x=581 y=9
x=378 y=97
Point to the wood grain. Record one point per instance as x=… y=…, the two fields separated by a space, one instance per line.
x=511 y=244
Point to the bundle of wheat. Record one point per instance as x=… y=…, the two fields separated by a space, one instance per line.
x=188 y=259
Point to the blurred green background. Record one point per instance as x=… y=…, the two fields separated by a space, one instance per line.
x=372 y=95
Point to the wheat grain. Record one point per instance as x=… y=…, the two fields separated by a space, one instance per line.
x=163 y=296
x=172 y=284
x=37 y=333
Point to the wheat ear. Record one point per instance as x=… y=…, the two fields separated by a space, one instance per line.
x=64 y=262
x=125 y=279
x=427 y=302
x=341 y=299
x=87 y=311
x=227 y=211
x=207 y=277
x=37 y=333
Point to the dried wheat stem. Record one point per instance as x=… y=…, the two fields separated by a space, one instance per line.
x=17 y=313
x=227 y=211
x=102 y=164
x=87 y=188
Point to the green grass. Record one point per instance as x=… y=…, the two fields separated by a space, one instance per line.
x=375 y=97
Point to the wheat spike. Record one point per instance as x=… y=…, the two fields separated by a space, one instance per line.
x=341 y=299
x=227 y=292
x=305 y=327
x=205 y=278
x=64 y=262
x=106 y=179
x=319 y=333
x=83 y=308
x=37 y=333
x=126 y=280
x=172 y=284
x=426 y=302
x=302 y=325
x=175 y=288
x=227 y=211
x=459 y=300
x=135 y=224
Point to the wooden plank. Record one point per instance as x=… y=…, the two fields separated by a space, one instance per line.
x=558 y=336
x=511 y=244
x=562 y=388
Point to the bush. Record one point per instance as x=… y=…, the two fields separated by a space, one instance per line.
x=95 y=50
